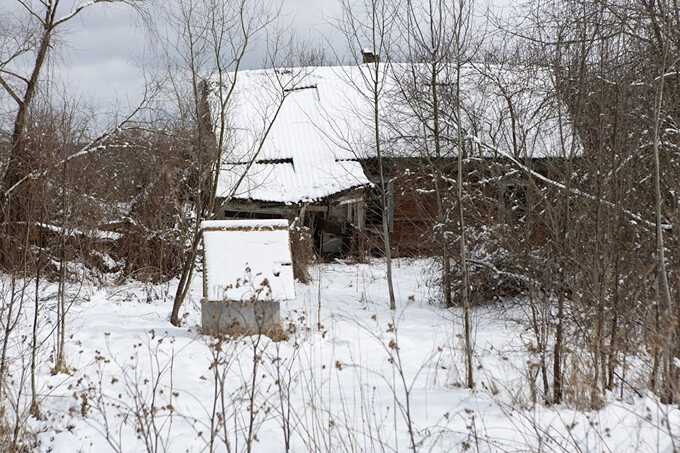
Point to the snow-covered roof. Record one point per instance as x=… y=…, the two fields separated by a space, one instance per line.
x=250 y=224
x=325 y=124
x=509 y=110
x=247 y=259
x=302 y=158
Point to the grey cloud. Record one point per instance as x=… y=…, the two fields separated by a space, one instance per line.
x=104 y=52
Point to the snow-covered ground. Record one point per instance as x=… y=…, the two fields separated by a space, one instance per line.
x=349 y=378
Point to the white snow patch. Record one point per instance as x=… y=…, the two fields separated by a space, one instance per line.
x=338 y=371
x=247 y=259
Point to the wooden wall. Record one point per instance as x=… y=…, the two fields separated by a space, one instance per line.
x=415 y=203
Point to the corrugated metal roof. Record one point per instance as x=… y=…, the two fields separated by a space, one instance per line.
x=282 y=182
x=300 y=159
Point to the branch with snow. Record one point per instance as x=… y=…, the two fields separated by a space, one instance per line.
x=635 y=218
x=494 y=269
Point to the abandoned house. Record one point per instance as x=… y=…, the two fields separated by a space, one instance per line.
x=301 y=145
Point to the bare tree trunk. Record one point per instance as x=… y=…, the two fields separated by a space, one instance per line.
x=202 y=116
x=11 y=312
x=252 y=392
x=664 y=292
x=557 y=351
x=13 y=172
x=35 y=406
x=186 y=276
x=383 y=187
x=60 y=360
x=598 y=327
x=540 y=327
x=8 y=322
x=373 y=27
x=467 y=322
x=438 y=183
x=613 y=351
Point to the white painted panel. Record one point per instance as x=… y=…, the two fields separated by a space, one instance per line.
x=247 y=260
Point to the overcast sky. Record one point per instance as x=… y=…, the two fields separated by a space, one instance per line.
x=102 y=54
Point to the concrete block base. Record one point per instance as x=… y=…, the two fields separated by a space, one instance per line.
x=237 y=318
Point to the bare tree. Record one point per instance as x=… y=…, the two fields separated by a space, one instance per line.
x=212 y=41
x=462 y=26
x=47 y=18
x=369 y=28
x=608 y=241
x=663 y=286
x=439 y=49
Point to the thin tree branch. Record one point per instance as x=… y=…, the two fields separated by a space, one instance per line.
x=15 y=75
x=31 y=12
x=10 y=91
x=634 y=216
